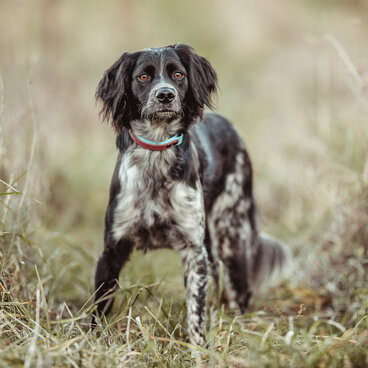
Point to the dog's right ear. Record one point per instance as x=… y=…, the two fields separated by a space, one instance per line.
x=114 y=92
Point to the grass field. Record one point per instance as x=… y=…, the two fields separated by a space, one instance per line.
x=294 y=80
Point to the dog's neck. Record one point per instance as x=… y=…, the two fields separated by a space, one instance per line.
x=157 y=167
x=156 y=130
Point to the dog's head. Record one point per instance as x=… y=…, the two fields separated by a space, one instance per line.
x=158 y=84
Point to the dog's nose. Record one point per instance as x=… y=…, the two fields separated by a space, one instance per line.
x=165 y=95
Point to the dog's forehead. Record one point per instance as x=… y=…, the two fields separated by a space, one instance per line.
x=158 y=56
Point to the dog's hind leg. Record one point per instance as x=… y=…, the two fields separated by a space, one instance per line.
x=251 y=260
x=232 y=230
x=229 y=246
x=107 y=273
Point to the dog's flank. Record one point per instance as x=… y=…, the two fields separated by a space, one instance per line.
x=195 y=198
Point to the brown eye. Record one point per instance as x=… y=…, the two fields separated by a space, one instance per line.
x=143 y=77
x=178 y=75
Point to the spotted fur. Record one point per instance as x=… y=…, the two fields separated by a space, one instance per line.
x=195 y=198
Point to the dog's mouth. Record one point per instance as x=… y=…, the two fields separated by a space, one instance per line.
x=164 y=115
x=160 y=112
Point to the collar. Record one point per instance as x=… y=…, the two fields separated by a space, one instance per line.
x=176 y=140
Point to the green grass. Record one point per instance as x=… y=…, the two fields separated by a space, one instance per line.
x=296 y=326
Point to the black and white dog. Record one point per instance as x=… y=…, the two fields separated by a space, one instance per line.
x=183 y=180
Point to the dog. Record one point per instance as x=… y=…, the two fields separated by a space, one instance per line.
x=183 y=180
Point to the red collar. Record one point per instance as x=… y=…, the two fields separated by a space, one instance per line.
x=157 y=146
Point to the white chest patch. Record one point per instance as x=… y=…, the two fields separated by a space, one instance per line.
x=153 y=209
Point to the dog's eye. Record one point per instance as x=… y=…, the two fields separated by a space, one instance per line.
x=178 y=75
x=143 y=77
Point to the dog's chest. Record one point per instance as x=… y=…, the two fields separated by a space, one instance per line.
x=153 y=209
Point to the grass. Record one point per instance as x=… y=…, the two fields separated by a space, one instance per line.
x=297 y=326
x=298 y=98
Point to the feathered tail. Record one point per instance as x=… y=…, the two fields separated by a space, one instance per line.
x=271 y=262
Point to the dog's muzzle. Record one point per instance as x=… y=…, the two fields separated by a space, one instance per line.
x=165 y=95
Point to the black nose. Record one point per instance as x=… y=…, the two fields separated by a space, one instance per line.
x=165 y=95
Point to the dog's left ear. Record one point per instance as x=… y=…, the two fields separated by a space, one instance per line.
x=202 y=79
x=114 y=91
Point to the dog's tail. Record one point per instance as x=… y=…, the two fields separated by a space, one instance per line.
x=271 y=263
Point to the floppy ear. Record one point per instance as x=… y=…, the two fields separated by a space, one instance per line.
x=202 y=80
x=114 y=92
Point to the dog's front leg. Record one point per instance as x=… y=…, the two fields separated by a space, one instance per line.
x=195 y=266
x=109 y=265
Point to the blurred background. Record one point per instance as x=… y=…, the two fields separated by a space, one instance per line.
x=293 y=80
